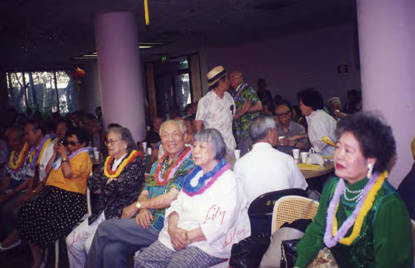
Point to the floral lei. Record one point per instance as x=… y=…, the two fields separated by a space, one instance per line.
x=42 y=146
x=182 y=157
x=115 y=173
x=201 y=186
x=332 y=236
x=20 y=160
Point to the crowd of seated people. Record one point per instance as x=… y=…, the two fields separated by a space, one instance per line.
x=184 y=202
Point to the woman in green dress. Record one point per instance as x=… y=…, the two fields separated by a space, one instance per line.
x=361 y=220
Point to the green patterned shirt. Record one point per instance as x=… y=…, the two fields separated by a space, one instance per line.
x=244 y=122
x=155 y=190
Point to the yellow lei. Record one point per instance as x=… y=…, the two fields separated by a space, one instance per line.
x=367 y=205
x=41 y=152
x=120 y=168
x=22 y=154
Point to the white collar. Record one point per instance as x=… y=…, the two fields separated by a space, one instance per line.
x=117 y=162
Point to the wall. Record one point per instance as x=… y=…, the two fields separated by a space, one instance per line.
x=294 y=62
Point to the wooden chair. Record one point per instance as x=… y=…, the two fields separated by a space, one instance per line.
x=291 y=208
x=413 y=239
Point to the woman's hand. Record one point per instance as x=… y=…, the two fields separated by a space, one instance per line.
x=62 y=151
x=178 y=237
x=129 y=211
x=144 y=218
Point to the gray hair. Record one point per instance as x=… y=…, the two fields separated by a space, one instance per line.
x=180 y=123
x=260 y=127
x=215 y=139
x=126 y=136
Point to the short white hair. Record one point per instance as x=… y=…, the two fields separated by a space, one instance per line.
x=260 y=126
x=180 y=123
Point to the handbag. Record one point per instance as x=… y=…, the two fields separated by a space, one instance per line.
x=248 y=252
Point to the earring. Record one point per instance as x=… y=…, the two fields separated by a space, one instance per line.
x=369 y=170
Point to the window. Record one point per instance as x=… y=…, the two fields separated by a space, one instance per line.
x=46 y=92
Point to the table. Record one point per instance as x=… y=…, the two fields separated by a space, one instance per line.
x=315 y=171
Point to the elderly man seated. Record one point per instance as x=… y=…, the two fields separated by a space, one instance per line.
x=291 y=134
x=115 y=239
x=265 y=169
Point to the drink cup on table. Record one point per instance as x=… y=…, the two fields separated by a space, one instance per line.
x=304 y=156
x=144 y=144
x=96 y=153
x=296 y=153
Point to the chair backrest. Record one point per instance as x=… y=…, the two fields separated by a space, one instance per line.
x=263 y=205
x=413 y=239
x=291 y=208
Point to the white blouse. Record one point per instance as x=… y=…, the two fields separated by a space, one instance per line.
x=321 y=124
x=221 y=212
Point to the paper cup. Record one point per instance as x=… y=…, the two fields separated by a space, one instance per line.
x=144 y=146
x=296 y=153
x=304 y=156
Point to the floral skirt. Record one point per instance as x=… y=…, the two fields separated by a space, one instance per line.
x=50 y=216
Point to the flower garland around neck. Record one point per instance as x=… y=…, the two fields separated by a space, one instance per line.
x=332 y=236
x=58 y=162
x=201 y=185
x=35 y=160
x=20 y=160
x=161 y=180
x=115 y=173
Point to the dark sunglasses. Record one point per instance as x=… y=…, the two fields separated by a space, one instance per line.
x=73 y=143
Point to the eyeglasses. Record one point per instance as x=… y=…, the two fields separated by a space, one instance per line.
x=111 y=142
x=284 y=114
x=73 y=143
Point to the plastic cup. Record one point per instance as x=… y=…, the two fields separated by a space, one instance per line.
x=144 y=143
x=304 y=156
x=296 y=153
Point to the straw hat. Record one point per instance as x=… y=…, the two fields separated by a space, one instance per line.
x=215 y=74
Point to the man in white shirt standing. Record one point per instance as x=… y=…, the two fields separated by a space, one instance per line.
x=265 y=169
x=217 y=108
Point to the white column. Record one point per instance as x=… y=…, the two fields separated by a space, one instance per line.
x=387 y=45
x=120 y=75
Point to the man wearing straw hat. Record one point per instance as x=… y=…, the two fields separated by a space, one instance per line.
x=216 y=108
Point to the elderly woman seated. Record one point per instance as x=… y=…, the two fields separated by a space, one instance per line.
x=361 y=220
x=209 y=215
x=117 y=182
x=61 y=203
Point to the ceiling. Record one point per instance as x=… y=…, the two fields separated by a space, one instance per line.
x=47 y=34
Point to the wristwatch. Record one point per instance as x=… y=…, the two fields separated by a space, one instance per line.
x=138 y=205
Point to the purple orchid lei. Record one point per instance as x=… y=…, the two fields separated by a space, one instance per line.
x=329 y=240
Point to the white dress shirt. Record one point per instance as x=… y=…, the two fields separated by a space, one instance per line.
x=265 y=169
x=321 y=124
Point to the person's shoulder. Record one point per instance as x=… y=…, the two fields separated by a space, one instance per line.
x=296 y=125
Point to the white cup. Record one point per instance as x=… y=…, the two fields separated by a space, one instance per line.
x=96 y=153
x=148 y=151
x=304 y=156
x=237 y=154
x=144 y=143
x=296 y=153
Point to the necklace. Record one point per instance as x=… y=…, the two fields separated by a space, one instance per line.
x=115 y=173
x=358 y=196
x=332 y=236
x=21 y=158
x=161 y=180
x=57 y=164
x=201 y=185
x=39 y=152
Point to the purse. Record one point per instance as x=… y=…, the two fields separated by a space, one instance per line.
x=248 y=252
